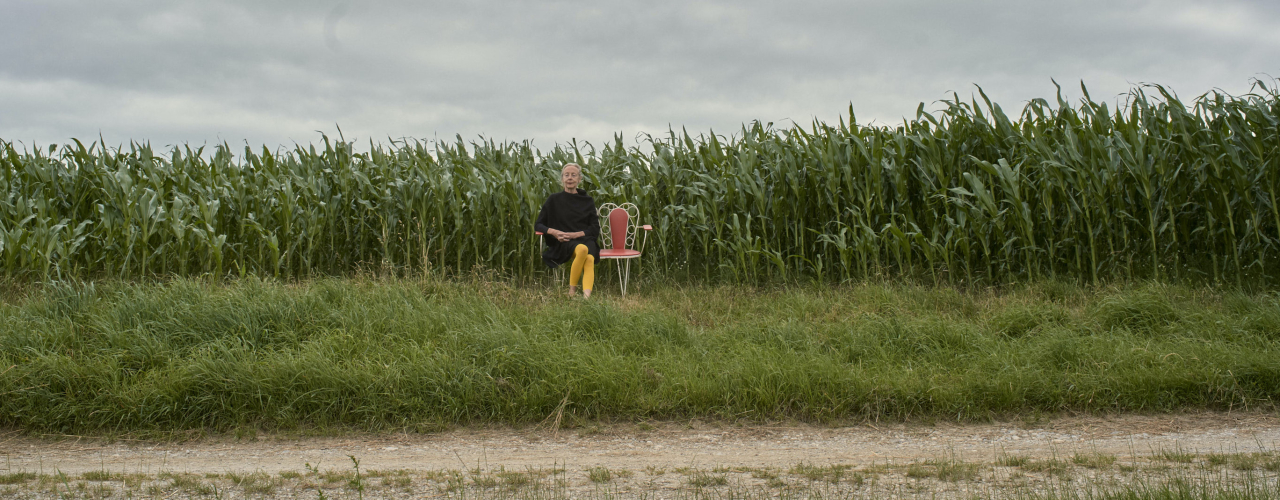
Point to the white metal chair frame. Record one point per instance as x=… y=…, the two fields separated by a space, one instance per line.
x=628 y=240
x=628 y=236
x=557 y=274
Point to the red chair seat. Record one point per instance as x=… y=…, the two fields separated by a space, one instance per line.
x=610 y=253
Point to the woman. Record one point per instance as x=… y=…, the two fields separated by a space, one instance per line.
x=570 y=225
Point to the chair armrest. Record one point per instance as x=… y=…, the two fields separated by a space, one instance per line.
x=539 y=233
x=647 y=227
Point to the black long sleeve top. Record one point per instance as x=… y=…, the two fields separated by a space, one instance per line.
x=568 y=212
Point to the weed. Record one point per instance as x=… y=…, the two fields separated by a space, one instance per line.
x=829 y=473
x=918 y=471
x=1011 y=460
x=453 y=482
x=333 y=476
x=1241 y=461
x=133 y=481
x=949 y=469
x=484 y=480
x=356 y=483
x=190 y=483
x=1176 y=454
x=599 y=475
x=1093 y=460
x=17 y=477
x=1052 y=466
x=514 y=479
x=703 y=480
x=98 y=475
x=405 y=481
x=253 y=483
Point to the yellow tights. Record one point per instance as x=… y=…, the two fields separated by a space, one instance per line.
x=584 y=267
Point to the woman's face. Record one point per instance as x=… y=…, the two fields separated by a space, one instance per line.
x=570 y=176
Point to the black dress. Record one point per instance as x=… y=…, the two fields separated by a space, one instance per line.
x=570 y=213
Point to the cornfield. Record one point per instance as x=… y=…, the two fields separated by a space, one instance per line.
x=1152 y=189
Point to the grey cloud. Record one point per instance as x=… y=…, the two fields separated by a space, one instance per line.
x=274 y=72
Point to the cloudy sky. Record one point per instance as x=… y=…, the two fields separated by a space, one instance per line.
x=276 y=73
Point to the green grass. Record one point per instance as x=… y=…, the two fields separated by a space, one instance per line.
x=425 y=354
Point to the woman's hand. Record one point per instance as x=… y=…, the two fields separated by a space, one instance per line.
x=563 y=236
x=559 y=235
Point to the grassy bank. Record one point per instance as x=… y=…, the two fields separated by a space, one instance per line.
x=426 y=353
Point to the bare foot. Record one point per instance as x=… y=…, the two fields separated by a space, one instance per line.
x=586 y=293
x=573 y=290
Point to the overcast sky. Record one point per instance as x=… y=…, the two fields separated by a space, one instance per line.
x=275 y=73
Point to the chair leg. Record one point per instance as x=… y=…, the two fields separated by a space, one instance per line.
x=626 y=277
x=622 y=281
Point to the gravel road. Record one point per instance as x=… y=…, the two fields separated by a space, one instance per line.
x=668 y=445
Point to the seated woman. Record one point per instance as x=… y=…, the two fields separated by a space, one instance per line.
x=570 y=225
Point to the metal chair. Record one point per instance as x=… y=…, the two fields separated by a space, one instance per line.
x=557 y=275
x=619 y=233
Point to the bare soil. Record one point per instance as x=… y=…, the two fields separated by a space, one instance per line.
x=669 y=445
x=1071 y=455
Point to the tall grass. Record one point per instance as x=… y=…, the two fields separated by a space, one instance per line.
x=1156 y=188
x=421 y=354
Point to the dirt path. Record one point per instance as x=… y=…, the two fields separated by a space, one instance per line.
x=670 y=445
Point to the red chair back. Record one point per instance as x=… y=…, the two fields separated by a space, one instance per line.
x=618 y=221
